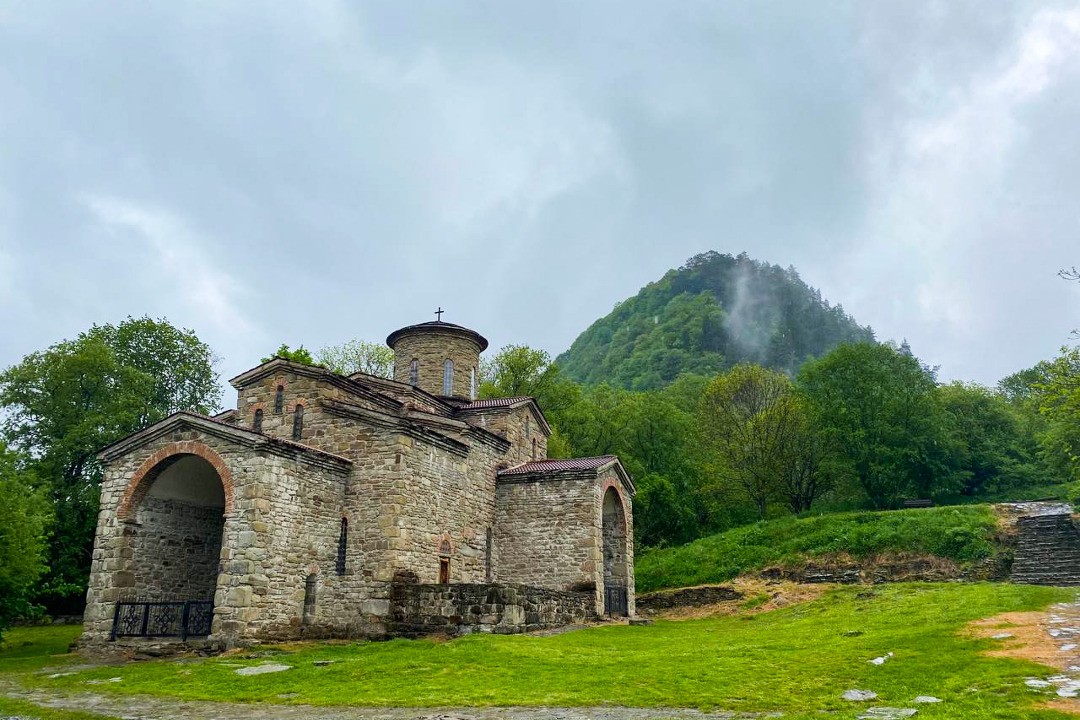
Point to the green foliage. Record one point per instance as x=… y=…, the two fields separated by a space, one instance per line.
x=300 y=355
x=65 y=403
x=24 y=521
x=960 y=533
x=796 y=661
x=355 y=356
x=759 y=438
x=1059 y=402
x=992 y=451
x=521 y=371
x=714 y=312
x=880 y=408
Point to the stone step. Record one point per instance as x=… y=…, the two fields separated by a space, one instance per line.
x=1047 y=551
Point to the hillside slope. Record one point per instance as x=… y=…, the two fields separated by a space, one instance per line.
x=962 y=534
x=712 y=313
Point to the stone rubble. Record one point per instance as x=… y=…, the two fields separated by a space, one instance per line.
x=859 y=695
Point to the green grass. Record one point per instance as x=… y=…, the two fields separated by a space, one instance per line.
x=22 y=708
x=960 y=533
x=24 y=649
x=797 y=660
x=30 y=649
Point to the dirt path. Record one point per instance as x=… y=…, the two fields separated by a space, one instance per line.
x=150 y=708
x=1050 y=638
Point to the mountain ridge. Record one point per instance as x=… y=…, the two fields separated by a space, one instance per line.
x=713 y=312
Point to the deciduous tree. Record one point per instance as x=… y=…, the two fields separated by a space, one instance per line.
x=24 y=520
x=358 y=356
x=880 y=408
x=65 y=403
x=755 y=430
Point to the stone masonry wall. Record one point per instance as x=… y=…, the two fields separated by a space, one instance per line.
x=431 y=351
x=520 y=427
x=458 y=609
x=176 y=548
x=547 y=534
x=295 y=512
x=450 y=498
x=283 y=523
x=297 y=389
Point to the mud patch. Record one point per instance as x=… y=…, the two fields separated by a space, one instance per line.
x=1030 y=638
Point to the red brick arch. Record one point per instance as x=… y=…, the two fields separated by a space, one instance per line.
x=144 y=476
x=615 y=485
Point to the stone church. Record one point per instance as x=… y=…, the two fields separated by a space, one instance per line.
x=356 y=506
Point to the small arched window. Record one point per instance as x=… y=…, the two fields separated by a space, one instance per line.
x=414 y=372
x=256 y=424
x=534 y=449
x=342 y=544
x=528 y=427
x=472 y=383
x=298 y=422
x=448 y=377
x=444 y=562
x=279 y=400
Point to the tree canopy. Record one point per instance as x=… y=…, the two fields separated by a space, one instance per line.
x=300 y=355
x=24 y=521
x=66 y=402
x=358 y=356
x=880 y=407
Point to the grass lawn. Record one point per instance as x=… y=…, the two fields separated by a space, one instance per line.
x=959 y=533
x=797 y=660
x=26 y=650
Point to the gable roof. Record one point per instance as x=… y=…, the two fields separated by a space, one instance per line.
x=496 y=402
x=511 y=403
x=568 y=468
x=239 y=435
x=358 y=384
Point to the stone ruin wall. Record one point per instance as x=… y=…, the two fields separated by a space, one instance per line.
x=461 y=609
x=176 y=549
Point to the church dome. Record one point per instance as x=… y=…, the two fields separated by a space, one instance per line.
x=438 y=357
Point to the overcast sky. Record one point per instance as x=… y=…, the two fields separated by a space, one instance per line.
x=314 y=172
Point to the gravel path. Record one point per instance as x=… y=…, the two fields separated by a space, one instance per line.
x=136 y=707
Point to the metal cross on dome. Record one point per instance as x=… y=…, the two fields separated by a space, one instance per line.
x=438 y=314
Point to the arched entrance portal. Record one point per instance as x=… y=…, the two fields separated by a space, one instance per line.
x=616 y=571
x=177 y=541
x=176 y=512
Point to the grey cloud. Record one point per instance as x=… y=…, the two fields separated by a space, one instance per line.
x=308 y=174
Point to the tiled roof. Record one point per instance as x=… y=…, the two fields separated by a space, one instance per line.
x=541 y=466
x=494 y=403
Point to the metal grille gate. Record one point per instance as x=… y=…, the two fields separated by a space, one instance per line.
x=180 y=619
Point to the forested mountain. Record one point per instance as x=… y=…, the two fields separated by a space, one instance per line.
x=710 y=314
